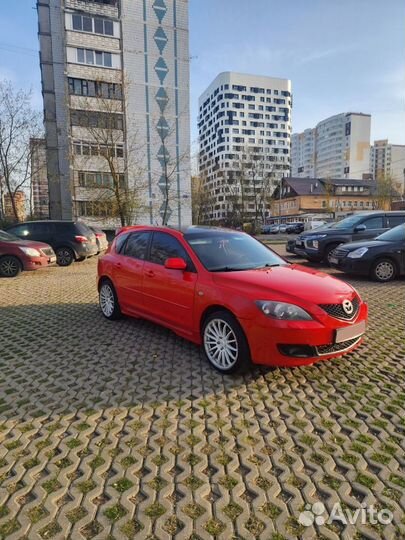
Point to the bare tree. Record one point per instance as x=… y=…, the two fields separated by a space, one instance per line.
x=103 y=124
x=18 y=123
x=202 y=200
x=384 y=191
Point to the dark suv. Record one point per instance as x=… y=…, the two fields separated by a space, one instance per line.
x=71 y=240
x=318 y=245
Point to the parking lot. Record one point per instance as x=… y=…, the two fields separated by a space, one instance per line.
x=122 y=430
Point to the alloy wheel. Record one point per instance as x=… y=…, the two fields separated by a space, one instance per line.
x=220 y=343
x=107 y=300
x=384 y=270
x=9 y=267
x=64 y=257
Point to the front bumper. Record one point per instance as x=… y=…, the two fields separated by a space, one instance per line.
x=269 y=340
x=353 y=266
x=34 y=263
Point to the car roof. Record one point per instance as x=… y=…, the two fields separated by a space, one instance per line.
x=188 y=230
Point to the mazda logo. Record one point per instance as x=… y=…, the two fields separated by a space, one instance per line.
x=347 y=307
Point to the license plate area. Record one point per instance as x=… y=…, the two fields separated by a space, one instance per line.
x=350 y=332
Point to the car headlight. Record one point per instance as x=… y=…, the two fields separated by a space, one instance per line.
x=357 y=253
x=31 y=252
x=283 y=311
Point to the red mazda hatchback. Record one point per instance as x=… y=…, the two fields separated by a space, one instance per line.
x=230 y=293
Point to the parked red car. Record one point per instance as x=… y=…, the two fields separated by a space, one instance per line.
x=230 y=293
x=17 y=255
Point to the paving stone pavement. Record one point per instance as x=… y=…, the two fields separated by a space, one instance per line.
x=121 y=429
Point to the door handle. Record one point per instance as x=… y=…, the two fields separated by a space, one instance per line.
x=150 y=273
x=118 y=265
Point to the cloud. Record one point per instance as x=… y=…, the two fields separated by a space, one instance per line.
x=325 y=54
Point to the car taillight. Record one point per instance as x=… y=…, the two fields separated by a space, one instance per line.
x=81 y=239
x=100 y=235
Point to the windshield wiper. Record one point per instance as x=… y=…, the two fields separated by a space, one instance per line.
x=226 y=269
x=267 y=265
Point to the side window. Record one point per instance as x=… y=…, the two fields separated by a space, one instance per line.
x=393 y=221
x=120 y=242
x=164 y=246
x=374 y=223
x=40 y=228
x=23 y=231
x=137 y=245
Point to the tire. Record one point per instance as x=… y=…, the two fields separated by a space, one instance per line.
x=64 y=256
x=235 y=358
x=108 y=301
x=328 y=252
x=383 y=270
x=10 y=266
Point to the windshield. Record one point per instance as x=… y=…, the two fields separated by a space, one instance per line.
x=346 y=223
x=394 y=235
x=7 y=237
x=222 y=251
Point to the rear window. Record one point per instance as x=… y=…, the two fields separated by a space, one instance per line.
x=82 y=228
x=393 y=221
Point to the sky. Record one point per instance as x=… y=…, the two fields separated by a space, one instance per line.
x=341 y=55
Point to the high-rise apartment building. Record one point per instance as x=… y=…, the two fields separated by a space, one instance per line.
x=303 y=154
x=39 y=178
x=338 y=147
x=243 y=120
x=388 y=160
x=115 y=83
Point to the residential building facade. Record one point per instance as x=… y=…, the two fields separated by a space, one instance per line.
x=300 y=196
x=338 y=147
x=244 y=133
x=115 y=83
x=19 y=202
x=39 y=179
x=388 y=160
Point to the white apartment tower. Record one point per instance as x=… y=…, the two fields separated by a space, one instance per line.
x=242 y=118
x=120 y=66
x=388 y=159
x=338 y=147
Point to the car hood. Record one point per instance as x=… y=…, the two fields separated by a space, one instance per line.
x=30 y=243
x=351 y=246
x=325 y=231
x=291 y=281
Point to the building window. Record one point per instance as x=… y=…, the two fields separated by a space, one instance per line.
x=90 y=57
x=95 y=119
x=84 y=23
x=84 y=87
x=95 y=208
x=91 y=179
x=84 y=148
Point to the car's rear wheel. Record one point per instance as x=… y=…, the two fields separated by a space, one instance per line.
x=225 y=344
x=108 y=301
x=383 y=270
x=64 y=256
x=10 y=266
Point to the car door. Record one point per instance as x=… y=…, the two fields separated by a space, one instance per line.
x=374 y=225
x=169 y=294
x=127 y=272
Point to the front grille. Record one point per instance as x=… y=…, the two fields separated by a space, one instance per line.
x=337 y=311
x=336 y=347
x=340 y=253
x=47 y=251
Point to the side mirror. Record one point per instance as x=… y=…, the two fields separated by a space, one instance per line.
x=360 y=228
x=175 y=263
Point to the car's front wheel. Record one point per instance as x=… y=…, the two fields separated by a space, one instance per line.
x=108 y=301
x=10 y=266
x=225 y=344
x=64 y=256
x=383 y=270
